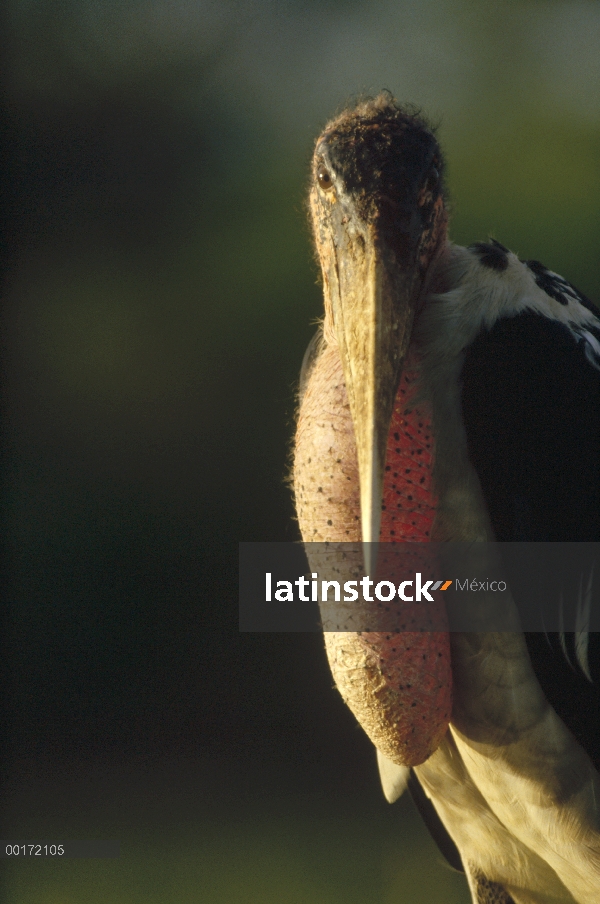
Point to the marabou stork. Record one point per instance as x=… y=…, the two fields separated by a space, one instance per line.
x=453 y=394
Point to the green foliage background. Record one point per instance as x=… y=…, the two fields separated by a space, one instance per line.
x=159 y=293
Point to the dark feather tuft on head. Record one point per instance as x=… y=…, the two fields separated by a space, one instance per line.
x=388 y=161
x=383 y=149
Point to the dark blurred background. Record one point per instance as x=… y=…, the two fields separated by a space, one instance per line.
x=158 y=293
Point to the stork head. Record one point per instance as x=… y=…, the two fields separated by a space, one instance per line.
x=379 y=221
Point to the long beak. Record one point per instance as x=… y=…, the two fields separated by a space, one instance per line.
x=373 y=308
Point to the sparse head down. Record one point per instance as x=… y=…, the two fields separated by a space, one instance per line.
x=384 y=160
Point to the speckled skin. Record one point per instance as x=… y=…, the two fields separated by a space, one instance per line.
x=399 y=685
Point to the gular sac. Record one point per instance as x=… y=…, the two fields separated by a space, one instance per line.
x=398 y=684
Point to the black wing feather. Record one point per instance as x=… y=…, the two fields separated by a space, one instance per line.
x=531 y=409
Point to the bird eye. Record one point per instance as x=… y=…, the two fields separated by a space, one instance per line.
x=324 y=179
